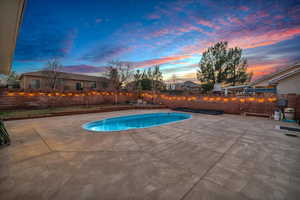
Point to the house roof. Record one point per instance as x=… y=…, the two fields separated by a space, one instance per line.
x=284 y=76
x=188 y=84
x=236 y=87
x=64 y=75
x=280 y=72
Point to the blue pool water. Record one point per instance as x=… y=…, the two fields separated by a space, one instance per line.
x=135 y=121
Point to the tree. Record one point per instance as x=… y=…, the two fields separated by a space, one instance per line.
x=222 y=65
x=13 y=76
x=150 y=79
x=237 y=67
x=53 y=72
x=212 y=66
x=157 y=78
x=13 y=80
x=118 y=73
x=137 y=76
x=137 y=80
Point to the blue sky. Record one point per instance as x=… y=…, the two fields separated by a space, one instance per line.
x=85 y=35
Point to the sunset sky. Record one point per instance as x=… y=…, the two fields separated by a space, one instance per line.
x=85 y=35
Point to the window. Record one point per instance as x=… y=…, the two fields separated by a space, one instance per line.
x=79 y=86
x=60 y=83
x=93 y=85
x=35 y=84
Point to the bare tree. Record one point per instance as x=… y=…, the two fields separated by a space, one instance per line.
x=119 y=74
x=53 y=72
x=174 y=81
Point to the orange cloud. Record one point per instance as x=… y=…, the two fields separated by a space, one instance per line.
x=265 y=68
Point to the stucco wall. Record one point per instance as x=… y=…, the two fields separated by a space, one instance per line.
x=66 y=84
x=289 y=85
x=11 y=12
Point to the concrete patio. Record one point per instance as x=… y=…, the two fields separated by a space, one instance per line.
x=206 y=157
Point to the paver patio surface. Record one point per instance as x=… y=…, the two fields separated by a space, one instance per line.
x=206 y=157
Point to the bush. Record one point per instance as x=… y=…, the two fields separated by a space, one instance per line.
x=4 y=137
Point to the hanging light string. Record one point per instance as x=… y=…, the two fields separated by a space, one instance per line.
x=64 y=94
x=211 y=99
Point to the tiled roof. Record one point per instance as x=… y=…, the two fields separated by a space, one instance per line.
x=64 y=75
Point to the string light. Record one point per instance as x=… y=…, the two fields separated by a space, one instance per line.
x=147 y=95
x=242 y=100
x=261 y=100
x=10 y=94
x=251 y=99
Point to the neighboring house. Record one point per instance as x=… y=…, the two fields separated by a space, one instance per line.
x=7 y=82
x=284 y=81
x=187 y=86
x=3 y=81
x=64 y=82
x=235 y=89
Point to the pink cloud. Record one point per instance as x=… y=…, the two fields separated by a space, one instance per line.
x=207 y=23
x=160 y=61
x=188 y=28
x=244 y=39
x=264 y=39
x=278 y=17
x=176 y=30
x=244 y=8
x=235 y=20
x=161 y=32
x=153 y=16
x=256 y=16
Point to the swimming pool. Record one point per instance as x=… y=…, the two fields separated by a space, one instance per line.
x=135 y=121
